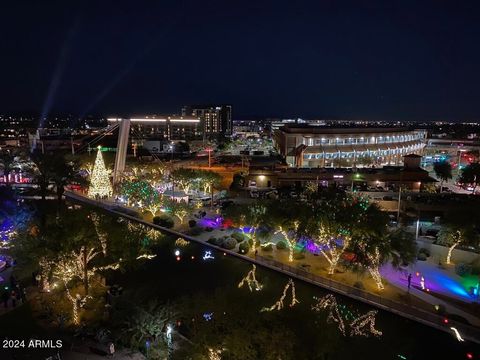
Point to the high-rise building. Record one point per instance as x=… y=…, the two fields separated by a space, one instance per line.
x=164 y=127
x=216 y=119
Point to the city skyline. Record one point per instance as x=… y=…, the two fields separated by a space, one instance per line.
x=274 y=59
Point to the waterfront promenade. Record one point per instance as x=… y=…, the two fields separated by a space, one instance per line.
x=425 y=317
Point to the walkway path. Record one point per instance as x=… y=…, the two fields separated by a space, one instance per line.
x=398 y=279
x=428 y=318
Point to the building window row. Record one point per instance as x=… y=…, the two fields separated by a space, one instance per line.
x=367 y=153
x=364 y=140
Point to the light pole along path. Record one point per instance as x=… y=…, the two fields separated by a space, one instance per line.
x=468 y=332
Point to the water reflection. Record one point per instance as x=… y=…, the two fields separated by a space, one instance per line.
x=279 y=304
x=359 y=325
x=251 y=280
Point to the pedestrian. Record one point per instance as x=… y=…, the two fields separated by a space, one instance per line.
x=34 y=278
x=409 y=281
x=38 y=279
x=256 y=252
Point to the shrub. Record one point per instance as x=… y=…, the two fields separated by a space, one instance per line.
x=164 y=221
x=239 y=236
x=359 y=285
x=229 y=243
x=463 y=269
x=215 y=241
x=244 y=248
x=250 y=242
x=424 y=251
x=212 y=240
x=192 y=223
x=422 y=257
x=299 y=256
x=281 y=245
x=195 y=231
x=209 y=229
x=269 y=247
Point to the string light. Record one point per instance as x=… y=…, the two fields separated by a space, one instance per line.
x=374 y=268
x=150 y=232
x=279 y=304
x=329 y=302
x=359 y=325
x=181 y=242
x=291 y=239
x=75 y=266
x=208 y=316
x=363 y=325
x=267 y=244
x=329 y=247
x=214 y=354
x=153 y=208
x=457 y=238
x=457 y=334
x=208 y=255
x=101 y=235
x=99 y=180
x=251 y=281
x=146 y=256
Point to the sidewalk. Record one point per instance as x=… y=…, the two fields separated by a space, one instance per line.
x=397 y=279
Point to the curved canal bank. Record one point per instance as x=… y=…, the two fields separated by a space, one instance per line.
x=435 y=321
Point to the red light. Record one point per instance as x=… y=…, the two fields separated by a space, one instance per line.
x=445 y=321
x=178 y=258
x=469 y=356
x=193 y=257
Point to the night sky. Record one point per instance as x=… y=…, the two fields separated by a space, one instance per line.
x=318 y=59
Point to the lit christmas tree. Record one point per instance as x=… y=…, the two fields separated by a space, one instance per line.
x=99 y=180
